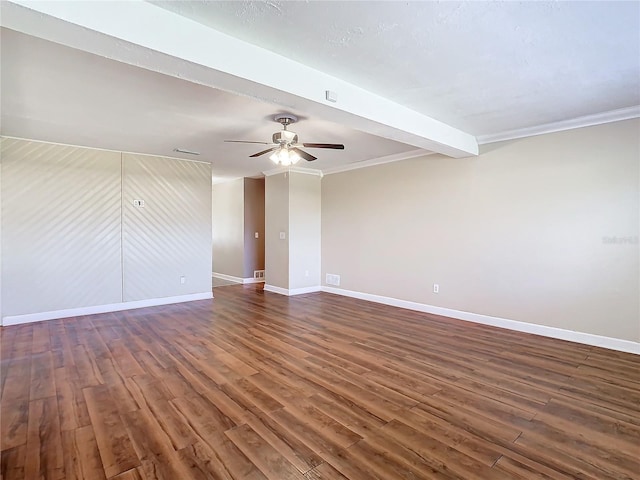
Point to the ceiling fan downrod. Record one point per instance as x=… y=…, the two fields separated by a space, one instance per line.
x=285 y=119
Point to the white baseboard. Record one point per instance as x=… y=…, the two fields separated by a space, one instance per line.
x=112 y=307
x=545 y=331
x=293 y=291
x=303 y=290
x=231 y=278
x=274 y=289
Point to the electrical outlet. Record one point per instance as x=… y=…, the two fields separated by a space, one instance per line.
x=183 y=279
x=257 y=235
x=436 y=288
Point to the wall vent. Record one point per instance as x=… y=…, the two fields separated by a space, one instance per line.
x=333 y=279
x=258 y=274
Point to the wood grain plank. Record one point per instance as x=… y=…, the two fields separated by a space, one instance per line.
x=158 y=458
x=202 y=460
x=114 y=444
x=86 y=366
x=324 y=472
x=523 y=471
x=14 y=417
x=256 y=386
x=133 y=474
x=42 y=380
x=17 y=370
x=45 y=458
x=415 y=446
x=12 y=462
x=289 y=446
x=202 y=416
x=71 y=403
x=264 y=456
x=234 y=460
x=81 y=455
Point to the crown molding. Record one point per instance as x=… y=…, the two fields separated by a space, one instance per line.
x=396 y=157
x=579 y=122
x=279 y=170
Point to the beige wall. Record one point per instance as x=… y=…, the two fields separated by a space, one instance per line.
x=69 y=226
x=228 y=228
x=276 y=221
x=238 y=213
x=304 y=230
x=253 y=223
x=1 y=233
x=520 y=232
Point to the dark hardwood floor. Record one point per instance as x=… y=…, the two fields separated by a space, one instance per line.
x=255 y=385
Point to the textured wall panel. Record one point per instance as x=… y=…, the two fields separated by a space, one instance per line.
x=170 y=236
x=60 y=227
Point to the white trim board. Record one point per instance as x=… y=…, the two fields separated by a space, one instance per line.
x=543 y=330
x=396 y=157
x=231 y=278
x=293 y=291
x=111 y=307
x=304 y=170
x=580 y=122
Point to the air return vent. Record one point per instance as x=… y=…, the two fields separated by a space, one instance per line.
x=333 y=279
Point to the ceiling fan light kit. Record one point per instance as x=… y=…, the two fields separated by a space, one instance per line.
x=285 y=149
x=284 y=157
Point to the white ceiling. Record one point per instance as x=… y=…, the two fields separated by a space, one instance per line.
x=483 y=67
x=480 y=67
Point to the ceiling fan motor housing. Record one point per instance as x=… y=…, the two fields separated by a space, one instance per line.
x=285 y=137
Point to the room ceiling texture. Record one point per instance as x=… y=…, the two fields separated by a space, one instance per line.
x=410 y=77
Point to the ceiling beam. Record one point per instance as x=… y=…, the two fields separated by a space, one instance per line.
x=147 y=36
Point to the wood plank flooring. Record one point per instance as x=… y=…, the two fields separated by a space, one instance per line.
x=255 y=385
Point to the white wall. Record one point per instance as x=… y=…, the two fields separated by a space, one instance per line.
x=304 y=230
x=522 y=232
x=276 y=260
x=292 y=207
x=71 y=237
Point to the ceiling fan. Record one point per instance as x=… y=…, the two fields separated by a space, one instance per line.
x=285 y=144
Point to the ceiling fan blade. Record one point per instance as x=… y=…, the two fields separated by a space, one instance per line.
x=303 y=154
x=335 y=146
x=264 y=151
x=246 y=141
